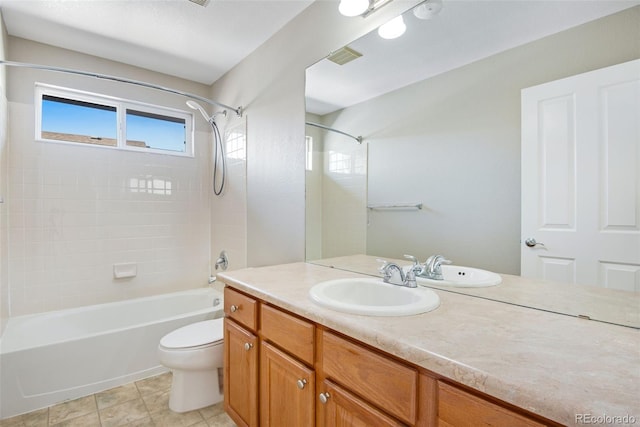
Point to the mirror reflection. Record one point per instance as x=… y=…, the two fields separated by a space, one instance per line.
x=439 y=171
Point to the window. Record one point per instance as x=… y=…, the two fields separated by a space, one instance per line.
x=236 y=144
x=309 y=151
x=340 y=162
x=71 y=116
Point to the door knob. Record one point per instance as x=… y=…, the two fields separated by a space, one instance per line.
x=531 y=242
x=233 y=308
x=301 y=383
x=248 y=346
x=324 y=397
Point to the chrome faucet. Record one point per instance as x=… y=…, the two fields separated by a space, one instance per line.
x=432 y=268
x=392 y=273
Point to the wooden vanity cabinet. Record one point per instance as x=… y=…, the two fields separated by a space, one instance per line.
x=241 y=358
x=284 y=370
x=458 y=408
x=343 y=409
x=385 y=383
x=287 y=390
x=269 y=378
x=287 y=377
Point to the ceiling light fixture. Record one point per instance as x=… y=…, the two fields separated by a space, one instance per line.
x=392 y=29
x=203 y=3
x=428 y=9
x=353 y=7
x=362 y=8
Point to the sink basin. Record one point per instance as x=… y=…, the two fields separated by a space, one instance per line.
x=373 y=297
x=463 y=277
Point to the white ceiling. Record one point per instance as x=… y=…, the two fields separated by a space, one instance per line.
x=175 y=37
x=463 y=32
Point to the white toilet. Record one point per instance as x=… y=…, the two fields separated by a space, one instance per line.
x=194 y=353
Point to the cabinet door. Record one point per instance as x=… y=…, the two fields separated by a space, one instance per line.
x=287 y=390
x=457 y=408
x=343 y=409
x=240 y=374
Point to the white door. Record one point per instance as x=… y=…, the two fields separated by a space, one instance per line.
x=581 y=179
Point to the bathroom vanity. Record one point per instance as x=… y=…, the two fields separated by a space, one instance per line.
x=470 y=362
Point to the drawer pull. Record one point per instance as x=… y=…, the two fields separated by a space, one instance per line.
x=234 y=308
x=324 y=397
x=248 y=346
x=301 y=383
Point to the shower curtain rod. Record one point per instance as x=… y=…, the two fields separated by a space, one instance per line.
x=318 y=125
x=237 y=110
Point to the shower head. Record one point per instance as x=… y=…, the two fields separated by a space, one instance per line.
x=195 y=106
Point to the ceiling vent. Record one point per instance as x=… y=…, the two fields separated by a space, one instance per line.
x=343 y=55
x=200 y=2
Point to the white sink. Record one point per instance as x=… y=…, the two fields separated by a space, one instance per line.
x=373 y=297
x=463 y=277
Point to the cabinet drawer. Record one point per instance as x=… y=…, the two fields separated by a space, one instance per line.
x=241 y=308
x=458 y=408
x=289 y=332
x=384 y=382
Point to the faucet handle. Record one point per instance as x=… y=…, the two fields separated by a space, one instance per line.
x=384 y=265
x=384 y=268
x=412 y=258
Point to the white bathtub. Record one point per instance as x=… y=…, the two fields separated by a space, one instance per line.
x=51 y=357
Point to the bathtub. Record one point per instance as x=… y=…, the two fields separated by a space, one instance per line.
x=50 y=357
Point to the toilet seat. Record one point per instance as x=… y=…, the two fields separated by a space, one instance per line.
x=197 y=334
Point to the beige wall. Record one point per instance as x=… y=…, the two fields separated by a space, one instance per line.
x=75 y=211
x=4 y=278
x=313 y=192
x=66 y=232
x=270 y=84
x=457 y=147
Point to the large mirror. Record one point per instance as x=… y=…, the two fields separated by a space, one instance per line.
x=439 y=112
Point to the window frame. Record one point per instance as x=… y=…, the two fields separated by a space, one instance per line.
x=121 y=105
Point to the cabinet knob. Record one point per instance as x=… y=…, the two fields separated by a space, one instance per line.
x=324 y=397
x=234 y=308
x=248 y=346
x=301 y=383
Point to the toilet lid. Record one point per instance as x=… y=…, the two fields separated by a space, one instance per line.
x=194 y=335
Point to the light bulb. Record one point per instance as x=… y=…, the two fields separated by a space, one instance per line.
x=392 y=29
x=353 y=7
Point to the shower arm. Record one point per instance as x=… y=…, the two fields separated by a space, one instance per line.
x=237 y=110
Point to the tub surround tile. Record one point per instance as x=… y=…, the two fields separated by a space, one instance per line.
x=553 y=365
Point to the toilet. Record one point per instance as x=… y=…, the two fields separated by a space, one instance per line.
x=194 y=353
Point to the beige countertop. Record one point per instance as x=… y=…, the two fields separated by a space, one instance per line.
x=553 y=365
x=607 y=305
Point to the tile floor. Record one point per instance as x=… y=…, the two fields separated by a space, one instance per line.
x=144 y=403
